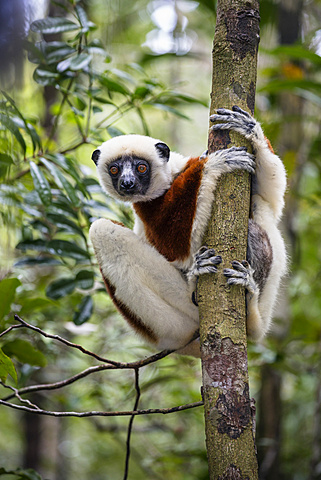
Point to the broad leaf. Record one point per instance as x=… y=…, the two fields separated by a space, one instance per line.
x=61 y=287
x=25 y=352
x=5 y=163
x=12 y=127
x=84 y=311
x=27 y=474
x=41 y=184
x=7 y=367
x=53 y=25
x=8 y=288
x=64 y=248
x=85 y=279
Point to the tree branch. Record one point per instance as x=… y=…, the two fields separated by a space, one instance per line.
x=93 y=413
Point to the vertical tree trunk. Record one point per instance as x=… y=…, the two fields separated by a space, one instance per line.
x=228 y=415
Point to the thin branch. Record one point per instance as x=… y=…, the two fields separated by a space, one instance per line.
x=120 y=365
x=13 y=327
x=108 y=364
x=62 y=383
x=16 y=394
x=149 y=411
x=66 y=342
x=130 y=425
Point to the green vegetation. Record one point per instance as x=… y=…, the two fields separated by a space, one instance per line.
x=88 y=78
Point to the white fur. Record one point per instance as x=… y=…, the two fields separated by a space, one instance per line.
x=153 y=288
x=144 y=147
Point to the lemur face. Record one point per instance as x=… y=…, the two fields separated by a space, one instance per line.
x=130 y=175
x=133 y=167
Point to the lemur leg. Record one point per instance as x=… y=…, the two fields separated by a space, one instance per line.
x=146 y=283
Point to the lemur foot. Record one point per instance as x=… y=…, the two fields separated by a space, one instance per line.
x=239 y=121
x=241 y=274
x=238 y=157
x=205 y=261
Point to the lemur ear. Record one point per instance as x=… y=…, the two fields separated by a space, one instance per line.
x=95 y=156
x=163 y=150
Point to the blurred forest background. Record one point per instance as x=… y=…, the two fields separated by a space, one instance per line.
x=89 y=70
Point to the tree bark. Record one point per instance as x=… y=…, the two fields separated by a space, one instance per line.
x=228 y=414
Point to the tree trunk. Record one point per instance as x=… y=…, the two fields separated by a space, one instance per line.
x=228 y=415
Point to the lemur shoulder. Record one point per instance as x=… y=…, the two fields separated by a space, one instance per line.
x=151 y=272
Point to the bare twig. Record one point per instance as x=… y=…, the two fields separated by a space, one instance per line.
x=149 y=411
x=121 y=365
x=16 y=394
x=13 y=327
x=131 y=421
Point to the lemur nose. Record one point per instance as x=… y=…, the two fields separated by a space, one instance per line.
x=127 y=184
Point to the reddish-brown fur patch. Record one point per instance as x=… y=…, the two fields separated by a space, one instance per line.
x=269 y=145
x=133 y=321
x=168 y=219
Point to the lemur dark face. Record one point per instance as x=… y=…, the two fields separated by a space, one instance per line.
x=130 y=175
x=133 y=168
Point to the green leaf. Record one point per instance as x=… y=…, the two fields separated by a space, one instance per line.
x=114 y=132
x=295 y=51
x=53 y=25
x=275 y=86
x=84 y=311
x=83 y=19
x=5 y=163
x=113 y=86
x=169 y=109
x=38 y=245
x=12 y=127
x=25 y=352
x=80 y=62
x=45 y=77
x=85 y=279
x=8 y=288
x=27 y=474
x=61 y=287
x=41 y=184
x=64 y=248
x=7 y=368
x=62 y=221
x=36 y=262
x=28 y=128
x=61 y=181
x=29 y=305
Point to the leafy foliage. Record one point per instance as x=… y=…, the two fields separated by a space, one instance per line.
x=49 y=197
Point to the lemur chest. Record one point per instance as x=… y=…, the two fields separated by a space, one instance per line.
x=168 y=219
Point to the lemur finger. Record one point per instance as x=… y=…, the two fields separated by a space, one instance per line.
x=209 y=261
x=204 y=252
x=228 y=272
x=241 y=274
x=240 y=158
x=241 y=266
x=238 y=109
x=204 y=262
x=206 y=269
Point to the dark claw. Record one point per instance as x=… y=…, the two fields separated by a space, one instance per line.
x=235 y=108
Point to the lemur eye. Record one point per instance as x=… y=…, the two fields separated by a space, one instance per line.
x=113 y=170
x=142 y=168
